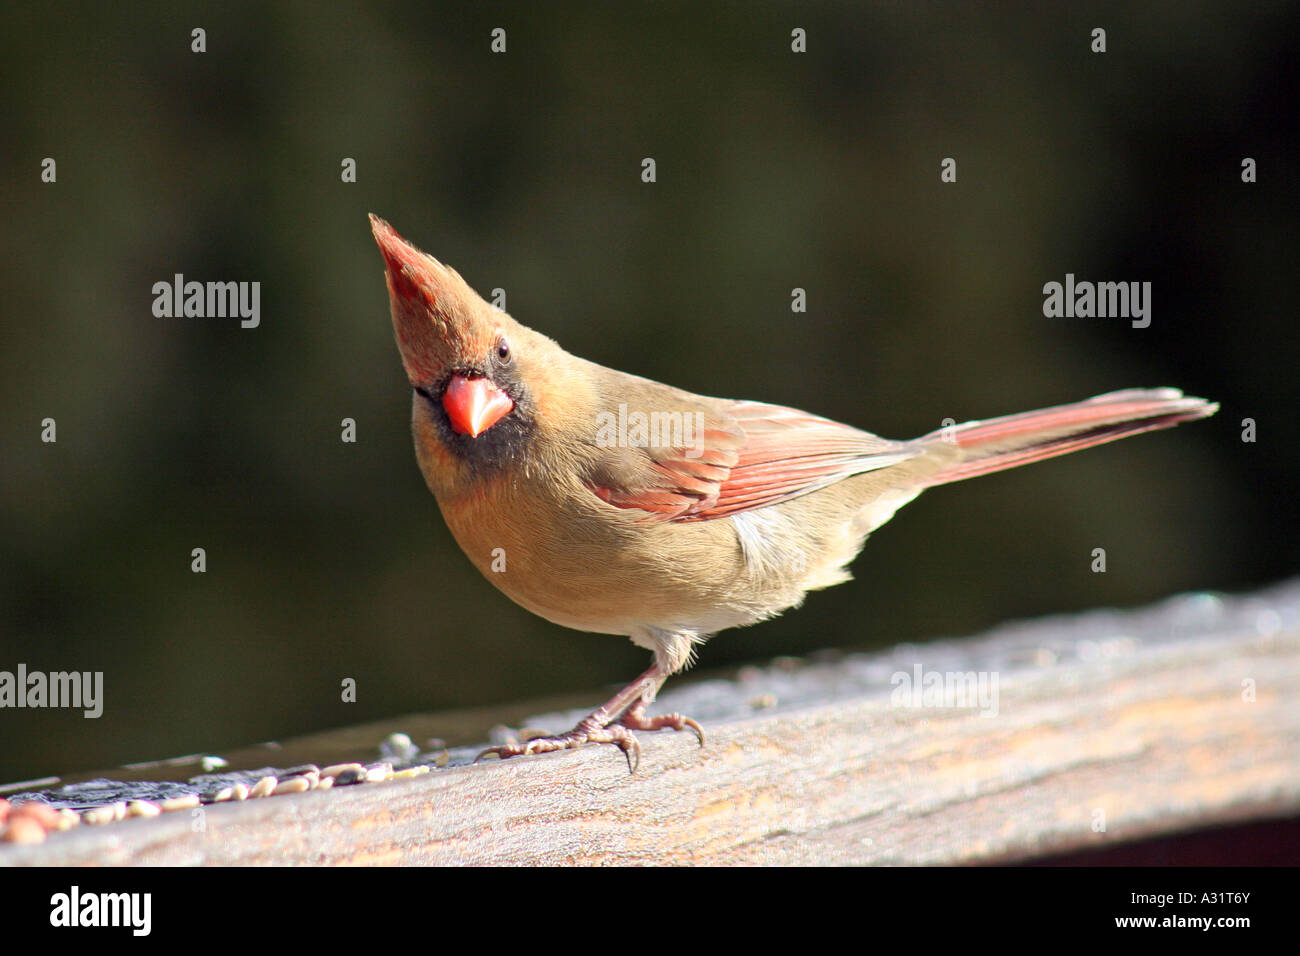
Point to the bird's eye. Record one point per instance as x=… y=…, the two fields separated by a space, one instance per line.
x=503 y=350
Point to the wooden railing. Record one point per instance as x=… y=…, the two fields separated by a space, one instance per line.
x=1094 y=729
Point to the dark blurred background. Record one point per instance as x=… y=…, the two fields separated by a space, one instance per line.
x=776 y=170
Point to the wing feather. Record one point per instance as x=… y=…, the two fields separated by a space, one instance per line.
x=751 y=455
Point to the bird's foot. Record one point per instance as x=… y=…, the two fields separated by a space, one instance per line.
x=596 y=729
x=588 y=731
x=634 y=718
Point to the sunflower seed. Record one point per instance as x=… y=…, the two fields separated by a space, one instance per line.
x=187 y=802
x=292 y=785
x=409 y=773
x=334 y=770
x=68 y=819
x=98 y=816
x=42 y=813
x=23 y=829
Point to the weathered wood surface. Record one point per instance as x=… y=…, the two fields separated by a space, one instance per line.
x=1139 y=721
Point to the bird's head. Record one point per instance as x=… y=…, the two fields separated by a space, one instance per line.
x=460 y=353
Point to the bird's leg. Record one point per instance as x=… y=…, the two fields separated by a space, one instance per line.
x=611 y=723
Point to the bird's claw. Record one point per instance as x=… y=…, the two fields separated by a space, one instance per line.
x=635 y=719
x=590 y=732
x=612 y=734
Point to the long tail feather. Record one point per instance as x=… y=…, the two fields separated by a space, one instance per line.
x=1000 y=443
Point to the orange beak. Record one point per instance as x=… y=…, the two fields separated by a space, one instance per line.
x=474 y=405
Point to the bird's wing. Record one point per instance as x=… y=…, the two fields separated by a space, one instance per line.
x=746 y=455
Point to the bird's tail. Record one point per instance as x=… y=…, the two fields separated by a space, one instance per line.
x=1000 y=443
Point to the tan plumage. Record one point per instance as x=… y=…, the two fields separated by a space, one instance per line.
x=672 y=539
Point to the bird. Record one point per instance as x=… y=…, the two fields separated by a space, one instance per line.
x=614 y=504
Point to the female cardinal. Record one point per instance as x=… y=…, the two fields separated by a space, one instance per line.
x=623 y=506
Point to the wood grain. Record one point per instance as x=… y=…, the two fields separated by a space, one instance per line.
x=1110 y=726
